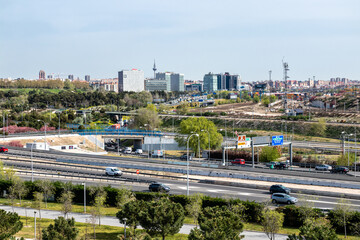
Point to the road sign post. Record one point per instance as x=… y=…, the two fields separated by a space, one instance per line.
x=137 y=174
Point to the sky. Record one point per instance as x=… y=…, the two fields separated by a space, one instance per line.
x=318 y=38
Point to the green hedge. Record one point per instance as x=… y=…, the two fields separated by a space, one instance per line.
x=294 y=217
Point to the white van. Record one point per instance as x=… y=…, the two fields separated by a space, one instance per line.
x=113 y=171
x=138 y=151
x=128 y=150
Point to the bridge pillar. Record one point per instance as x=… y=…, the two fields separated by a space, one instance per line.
x=138 y=143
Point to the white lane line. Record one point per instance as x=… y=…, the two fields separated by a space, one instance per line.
x=184 y=188
x=245 y=194
x=215 y=190
x=334 y=203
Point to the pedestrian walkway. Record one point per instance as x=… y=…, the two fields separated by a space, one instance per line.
x=113 y=221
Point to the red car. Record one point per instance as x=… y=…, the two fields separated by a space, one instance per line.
x=3 y=149
x=238 y=161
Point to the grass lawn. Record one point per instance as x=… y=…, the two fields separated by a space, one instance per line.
x=102 y=232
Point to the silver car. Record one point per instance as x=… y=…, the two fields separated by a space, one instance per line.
x=323 y=167
x=283 y=198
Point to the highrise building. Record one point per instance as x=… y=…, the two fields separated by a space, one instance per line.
x=71 y=77
x=42 y=75
x=87 y=78
x=50 y=76
x=131 y=80
x=174 y=81
x=211 y=82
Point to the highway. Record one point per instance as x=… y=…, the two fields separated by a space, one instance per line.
x=95 y=175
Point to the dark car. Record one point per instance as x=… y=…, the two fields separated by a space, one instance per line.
x=158 y=187
x=281 y=165
x=279 y=189
x=238 y=162
x=340 y=170
x=184 y=157
x=3 y=149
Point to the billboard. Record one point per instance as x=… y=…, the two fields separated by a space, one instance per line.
x=277 y=140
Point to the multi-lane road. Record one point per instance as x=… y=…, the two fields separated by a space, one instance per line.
x=48 y=167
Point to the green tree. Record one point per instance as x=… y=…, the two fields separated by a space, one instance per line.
x=10 y=224
x=131 y=211
x=343 y=209
x=161 y=217
x=269 y=154
x=265 y=101
x=256 y=99
x=273 y=98
x=37 y=203
x=271 y=222
x=182 y=109
x=62 y=229
x=319 y=229
x=47 y=188
x=203 y=127
x=99 y=195
x=194 y=207
x=19 y=189
x=318 y=129
x=218 y=223
x=345 y=159
x=124 y=196
x=147 y=119
x=66 y=200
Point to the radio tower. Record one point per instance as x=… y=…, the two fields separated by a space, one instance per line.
x=154 y=69
x=286 y=69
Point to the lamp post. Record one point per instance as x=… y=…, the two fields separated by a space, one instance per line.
x=32 y=162
x=125 y=219
x=59 y=123
x=45 y=130
x=84 y=184
x=187 y=163
x=349 y=149
x=95 y=137
x=209 y=141
x=35 y=225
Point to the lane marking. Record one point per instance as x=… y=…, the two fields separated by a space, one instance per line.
x=333 y=203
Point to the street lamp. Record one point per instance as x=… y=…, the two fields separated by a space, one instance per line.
x=209 y=141
x=35 y=225
x=59 y=123
x=125 y=219
x=84 y=184
x=187 y=163
x=96 y=149
x=45 y=130
x=32 y=162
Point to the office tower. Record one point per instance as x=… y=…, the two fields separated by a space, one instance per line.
x=166 y=76
x=131 y=80
x=87 y=78
x=155 y=85
x=210 y=82
x=174 y=81
x=71 y=77
x=50 y=76
x=42 y=75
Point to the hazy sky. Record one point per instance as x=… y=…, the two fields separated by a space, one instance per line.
x=249 y=37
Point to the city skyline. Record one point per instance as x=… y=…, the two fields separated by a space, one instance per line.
x=249 y=38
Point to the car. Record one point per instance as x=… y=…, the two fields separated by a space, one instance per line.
x=340 y=170
x=3 y=149
x=184 y=157
x=283 y=198
x=238 y=161
x=279 y=189
x=158 y=187
x=113 y=171
x=281 y=165
x=138 y=151
x=323 y=167
x=271 y=164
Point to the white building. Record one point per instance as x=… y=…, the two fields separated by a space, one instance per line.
x=131 y=80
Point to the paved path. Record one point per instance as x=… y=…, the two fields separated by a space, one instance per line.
x=113 y=221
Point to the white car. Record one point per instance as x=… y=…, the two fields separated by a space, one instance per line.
x=323 y=167
x=128 y=150
x=113 y=171
x=138 y=151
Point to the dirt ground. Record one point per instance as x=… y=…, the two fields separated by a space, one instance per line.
x=54 y=140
